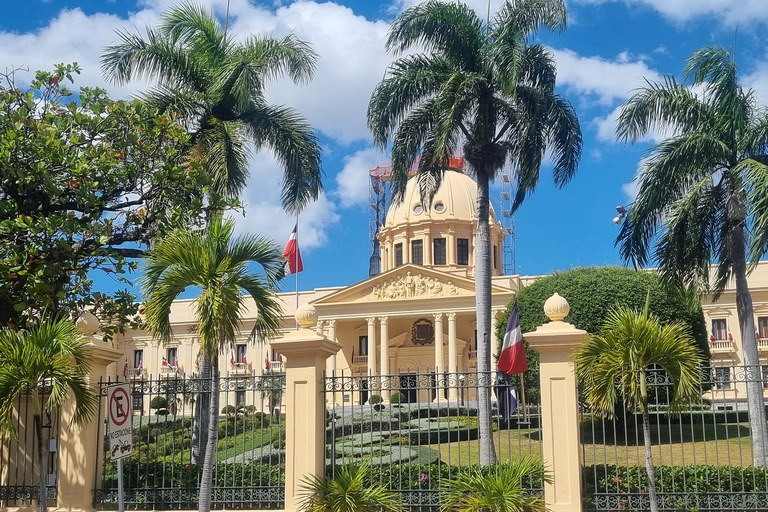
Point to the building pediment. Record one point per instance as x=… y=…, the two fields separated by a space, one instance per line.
x=404 y=283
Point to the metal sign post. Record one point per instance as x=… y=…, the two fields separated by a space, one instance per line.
x=120 y=431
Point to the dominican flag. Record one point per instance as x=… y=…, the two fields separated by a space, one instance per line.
x=165 y=362
x=291 y=254
x=512 y=359
x=125 y=366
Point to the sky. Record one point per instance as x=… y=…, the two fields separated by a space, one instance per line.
x=609 y=49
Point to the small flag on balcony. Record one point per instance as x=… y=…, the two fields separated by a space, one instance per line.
x=165 y=362
x=125 y=367
x=266 y=362
x=231 y=360
x=176 y=364
x=244 y=361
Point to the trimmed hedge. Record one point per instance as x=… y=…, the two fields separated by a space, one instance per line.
x=169 y=474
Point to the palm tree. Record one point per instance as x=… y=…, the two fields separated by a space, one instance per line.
x=44 y=364
x=218 y=265
x=703 y=194
x=500 y=489
x=349 y=490
x=614 y=364
x=217 y=84
x=484 y=90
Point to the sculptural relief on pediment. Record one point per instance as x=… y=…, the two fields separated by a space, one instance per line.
x=412 y=286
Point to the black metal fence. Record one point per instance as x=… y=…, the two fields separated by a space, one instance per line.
x=417 y=430
x=169 y=427
x=703 y=455
x=19 y=471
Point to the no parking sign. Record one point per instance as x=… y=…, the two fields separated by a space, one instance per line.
x=120 y=428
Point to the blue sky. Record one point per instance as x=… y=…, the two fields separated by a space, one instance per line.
x=606 y=51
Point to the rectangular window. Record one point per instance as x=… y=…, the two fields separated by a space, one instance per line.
x=240 y=397
x=362 y=346
x=722 y=377
x=495 y=257
x=762 y=327
x=438 y=251
x=462 y=251
x=398 y=254
x=171 y=356
x=719 y=329
x=241 y=358
x=417 y=252
x=138 y=359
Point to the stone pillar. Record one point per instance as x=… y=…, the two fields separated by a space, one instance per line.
x=306 y=353
x=384 y=340
x=450 y=250
x=371 y=345
x=555 y=342
x=453 y=358
x=78 y=457
x=439 y=355
x=332 y=336
x=428 y=249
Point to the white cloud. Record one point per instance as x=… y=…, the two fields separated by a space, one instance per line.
x=728 y=12
x=600 y=79
x=353 y=181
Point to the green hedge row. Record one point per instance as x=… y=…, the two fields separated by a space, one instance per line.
x=138 y=475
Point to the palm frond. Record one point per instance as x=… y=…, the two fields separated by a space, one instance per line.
x=522 y=18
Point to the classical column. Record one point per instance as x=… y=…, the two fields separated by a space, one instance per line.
x=371 y=345
x=384 y=330
x=453 y=361
x=450 y=241
x=319 y=327
x=555 y=342
x=427 y=249
x=439 y=357
x=332 y=336
x=306 y=353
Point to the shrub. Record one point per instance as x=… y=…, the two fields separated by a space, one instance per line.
x=397 y=398
x=374 y=399
x=159 y=402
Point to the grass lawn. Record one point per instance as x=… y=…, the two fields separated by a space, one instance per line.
x=718 y=444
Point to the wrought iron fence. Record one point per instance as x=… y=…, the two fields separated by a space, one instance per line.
x=417 y=430
x=169 y=427
x=702 y=455
x=19 y=474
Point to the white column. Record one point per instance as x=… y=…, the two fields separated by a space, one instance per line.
x=439 y=357
x=427 y=249
x=371 y=345
x=453 y=362
x=331 y=367
x=384 y=331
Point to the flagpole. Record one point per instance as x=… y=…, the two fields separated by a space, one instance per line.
x=522 y=398
x=295 y=256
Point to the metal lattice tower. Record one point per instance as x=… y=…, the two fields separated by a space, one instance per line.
x=508 y=223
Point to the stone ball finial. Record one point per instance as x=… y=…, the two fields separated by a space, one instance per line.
x=306 y=316
x=556 y=308
x=87 y=323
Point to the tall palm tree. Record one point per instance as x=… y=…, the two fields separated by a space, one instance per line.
x=44 y=364
x=614 y=364
x=703 y=194
x=218 y=265
x=217 y=84
x=484 y=90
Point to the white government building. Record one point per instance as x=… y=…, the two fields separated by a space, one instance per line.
x=388 y=324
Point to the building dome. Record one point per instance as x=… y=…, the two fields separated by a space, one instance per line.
x=456 y=199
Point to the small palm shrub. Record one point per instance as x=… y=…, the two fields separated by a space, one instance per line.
x=498 y=490
x=349 y=490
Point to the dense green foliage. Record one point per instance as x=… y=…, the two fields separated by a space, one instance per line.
x=592 y=292
x=83 y=187
x=348 y=489
x=158 y=402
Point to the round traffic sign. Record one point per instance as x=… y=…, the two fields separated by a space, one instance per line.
x=118 y=406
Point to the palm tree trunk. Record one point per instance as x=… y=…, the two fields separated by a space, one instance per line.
x=41 y=452
x=206 y=479
x=745 y=313
x=649 y=469
x=483 y=312
x=200 y=420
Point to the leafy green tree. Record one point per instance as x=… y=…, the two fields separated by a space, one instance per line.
x=217 y=85
x=498 y=490
x=483 y=90
x=349 y=490
x=44 y=364
x=218 y=265
x=592 y=292
x=614 y=364
x=703 y=194
x=83 y=189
